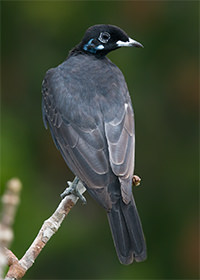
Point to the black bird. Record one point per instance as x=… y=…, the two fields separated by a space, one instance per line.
x=86 y=104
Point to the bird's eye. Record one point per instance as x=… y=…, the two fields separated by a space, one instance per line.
x=104 y=37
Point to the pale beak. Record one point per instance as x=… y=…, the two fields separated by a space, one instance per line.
x=129 y=43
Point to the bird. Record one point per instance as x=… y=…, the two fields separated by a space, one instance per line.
x=88 y=109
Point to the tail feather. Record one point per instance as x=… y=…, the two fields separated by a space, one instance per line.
x=127 y=232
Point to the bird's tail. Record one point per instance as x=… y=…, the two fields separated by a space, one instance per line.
x=127 y=232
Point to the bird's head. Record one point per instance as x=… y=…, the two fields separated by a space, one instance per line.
x=102 y=38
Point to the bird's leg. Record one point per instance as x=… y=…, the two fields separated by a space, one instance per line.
x=72 y=189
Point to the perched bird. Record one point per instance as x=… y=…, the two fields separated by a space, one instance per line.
x=86 y=104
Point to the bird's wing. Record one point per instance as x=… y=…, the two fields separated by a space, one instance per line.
x=94 y=132
x=79 y=137
x=120 y=134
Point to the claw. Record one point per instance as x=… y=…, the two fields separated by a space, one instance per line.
x=82 y=198
x=72 y=189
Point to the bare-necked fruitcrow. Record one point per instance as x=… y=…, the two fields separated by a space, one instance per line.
x=86 y=104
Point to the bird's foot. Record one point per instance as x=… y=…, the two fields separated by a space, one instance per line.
x=136 y=180
x=72 y=189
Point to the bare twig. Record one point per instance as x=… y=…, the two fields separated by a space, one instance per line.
x=18 y=268
x=136 y=180
x=10 y=201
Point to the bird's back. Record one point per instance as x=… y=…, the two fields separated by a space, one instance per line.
x=79 y=97
x=88 y=84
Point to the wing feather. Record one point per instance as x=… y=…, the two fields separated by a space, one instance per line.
x=82 y=145
x=121 y=145
x=119 y=148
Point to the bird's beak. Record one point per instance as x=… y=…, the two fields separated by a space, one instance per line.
x=129 y=43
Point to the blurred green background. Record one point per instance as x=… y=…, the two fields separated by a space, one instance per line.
x=163 y=82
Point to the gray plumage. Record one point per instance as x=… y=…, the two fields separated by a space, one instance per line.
x=86 y=104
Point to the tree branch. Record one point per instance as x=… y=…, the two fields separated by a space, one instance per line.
x=18 y=268
x=136 y=180
x=10 y=201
